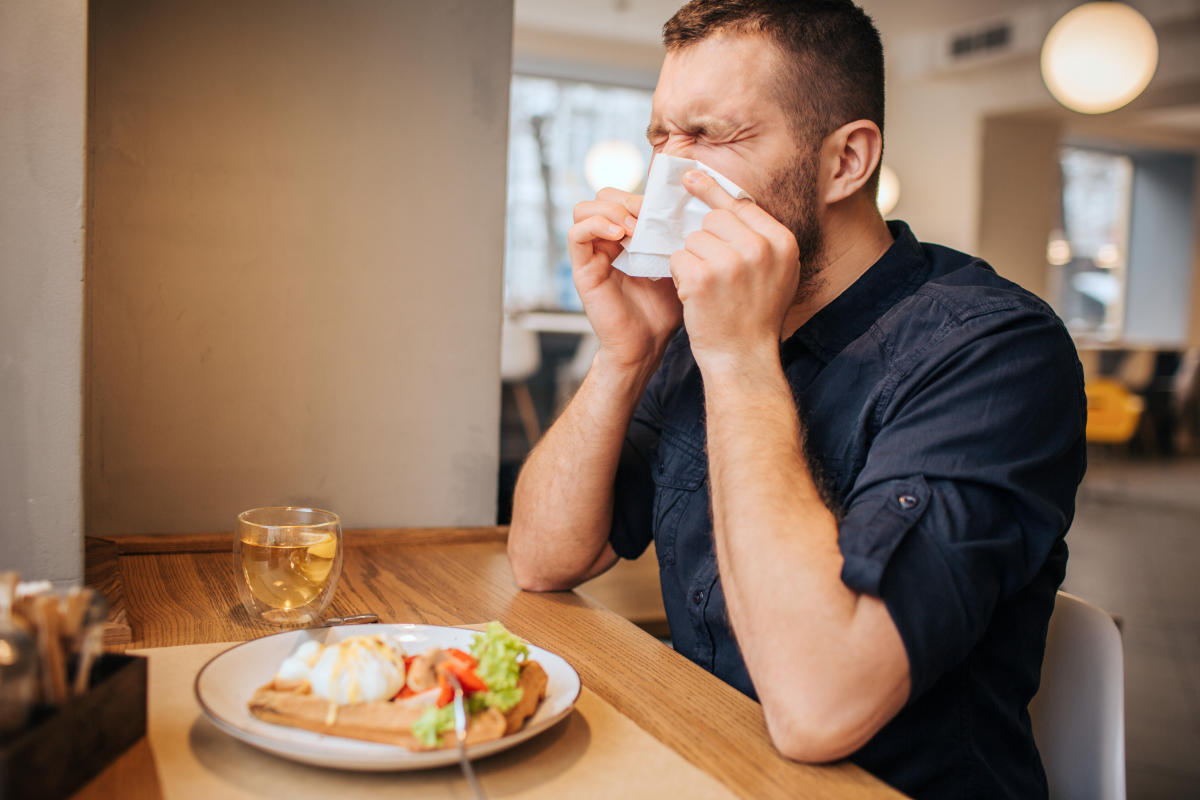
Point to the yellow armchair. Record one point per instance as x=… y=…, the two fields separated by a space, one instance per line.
x=1113 y=411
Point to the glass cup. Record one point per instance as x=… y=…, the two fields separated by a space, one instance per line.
x=288 y=561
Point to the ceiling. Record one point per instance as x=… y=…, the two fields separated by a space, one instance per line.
x=641 y=20
x=1183 y=118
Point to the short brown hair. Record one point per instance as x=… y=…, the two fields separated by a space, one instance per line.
x=831 y=49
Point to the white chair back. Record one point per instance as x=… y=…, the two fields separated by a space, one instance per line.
x=1079 y=710
x=520 y=352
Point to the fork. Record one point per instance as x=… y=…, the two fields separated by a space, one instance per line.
x=460 y=734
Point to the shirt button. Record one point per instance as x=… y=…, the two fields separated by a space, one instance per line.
x=907 y=501
x=697 y=597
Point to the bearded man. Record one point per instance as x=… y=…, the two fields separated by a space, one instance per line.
x=858 y=456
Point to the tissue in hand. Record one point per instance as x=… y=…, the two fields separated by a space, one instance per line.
x=669 y=213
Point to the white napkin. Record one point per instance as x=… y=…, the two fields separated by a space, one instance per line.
x=669 y=213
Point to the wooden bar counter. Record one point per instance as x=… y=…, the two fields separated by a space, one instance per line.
x=180 y=590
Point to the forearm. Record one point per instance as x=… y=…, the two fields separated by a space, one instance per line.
x=809 y=642
x=562 y=506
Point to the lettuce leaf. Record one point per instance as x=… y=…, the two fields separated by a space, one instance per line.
x=499 y=654
x=430 y=726
x=435 y=721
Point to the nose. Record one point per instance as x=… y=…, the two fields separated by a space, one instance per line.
x=679 y=149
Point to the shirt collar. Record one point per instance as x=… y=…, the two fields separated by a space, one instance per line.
x=899 y=271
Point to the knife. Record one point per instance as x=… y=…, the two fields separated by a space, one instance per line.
x=319 y=631
x=357 y=619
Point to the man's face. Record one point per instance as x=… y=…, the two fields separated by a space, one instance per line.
x=717 y=102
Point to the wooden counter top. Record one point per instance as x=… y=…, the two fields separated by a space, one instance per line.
x=180 y=589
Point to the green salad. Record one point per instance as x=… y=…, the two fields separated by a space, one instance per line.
x=491 y=682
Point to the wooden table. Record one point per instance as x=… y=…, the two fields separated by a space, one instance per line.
x=180 y=589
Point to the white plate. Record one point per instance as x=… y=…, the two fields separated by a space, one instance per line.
x=225 y=684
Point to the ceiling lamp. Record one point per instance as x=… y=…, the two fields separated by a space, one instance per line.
x=615 y=162
x=1098 y=57
x=889 y=190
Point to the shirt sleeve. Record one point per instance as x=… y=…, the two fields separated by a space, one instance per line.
x=968 y=484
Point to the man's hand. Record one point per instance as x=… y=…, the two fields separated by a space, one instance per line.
x=736 y=277
x=632 y=317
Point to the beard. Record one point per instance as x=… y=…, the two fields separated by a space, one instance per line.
x=791 y=198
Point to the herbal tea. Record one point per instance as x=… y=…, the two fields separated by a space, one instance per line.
x=290 y=573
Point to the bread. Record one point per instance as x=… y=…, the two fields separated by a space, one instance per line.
x=388 y=722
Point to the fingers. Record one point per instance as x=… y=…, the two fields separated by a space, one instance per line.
x=726 y=239
x=684 y=267
x=613 y=212
x=712 y=248
x=747 y=227
x=631 y=202
x=724 y=224
x=704 y=187
x=582 y=236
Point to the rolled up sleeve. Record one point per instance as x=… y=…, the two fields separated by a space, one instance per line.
x=968 y=484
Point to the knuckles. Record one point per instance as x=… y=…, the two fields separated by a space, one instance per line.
x=611 y=195
x=757 y=250
x=784 y=242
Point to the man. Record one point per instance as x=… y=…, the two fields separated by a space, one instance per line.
x=858 y=457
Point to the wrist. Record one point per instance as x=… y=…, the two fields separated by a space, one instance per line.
x=719 y=367
x=619 y=368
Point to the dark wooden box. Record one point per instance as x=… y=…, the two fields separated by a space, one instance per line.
x=63 y=748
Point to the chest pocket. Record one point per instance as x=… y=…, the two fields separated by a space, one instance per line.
x=679 y=472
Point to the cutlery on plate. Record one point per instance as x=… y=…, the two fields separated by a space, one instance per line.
x=357 y=619
x=460 y=734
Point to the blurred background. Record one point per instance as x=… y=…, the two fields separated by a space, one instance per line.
x=292 y=251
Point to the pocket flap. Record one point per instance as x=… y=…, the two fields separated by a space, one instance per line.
x=680 y=464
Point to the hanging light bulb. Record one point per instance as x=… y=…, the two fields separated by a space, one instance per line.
x=615 y=163
x=889 y=190
x=1099 y=57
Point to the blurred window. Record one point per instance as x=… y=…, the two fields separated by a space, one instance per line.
x=1090 y=253
x=554 y=125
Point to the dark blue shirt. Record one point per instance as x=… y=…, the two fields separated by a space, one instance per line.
x=944 y=413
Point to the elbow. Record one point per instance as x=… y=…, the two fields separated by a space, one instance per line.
x=530 y=572
x=531 y=581
x=526 y=574
x=812 y=736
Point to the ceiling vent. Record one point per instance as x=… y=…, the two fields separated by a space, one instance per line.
x=979 y=44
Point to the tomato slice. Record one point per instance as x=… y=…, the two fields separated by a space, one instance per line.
x=463 y=655
x=447 y=695
x=467 y=678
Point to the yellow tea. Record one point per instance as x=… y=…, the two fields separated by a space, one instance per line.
x=290 y=573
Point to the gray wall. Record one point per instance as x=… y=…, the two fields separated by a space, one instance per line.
x=1019 y=196
x=294 y=281
x=42 y=100
x=1161 y=248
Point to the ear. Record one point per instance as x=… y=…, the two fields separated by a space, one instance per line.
x=849 y=157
